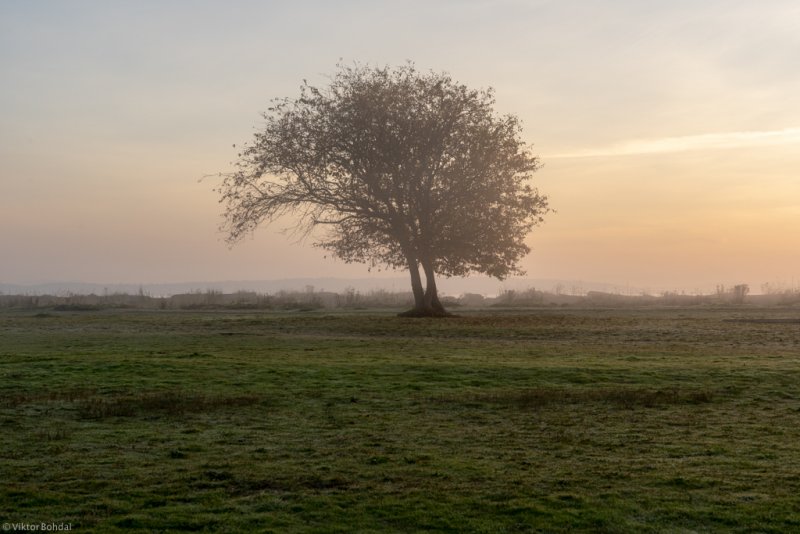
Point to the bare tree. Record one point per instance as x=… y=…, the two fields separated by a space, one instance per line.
x=739 y=292
x=407 y=170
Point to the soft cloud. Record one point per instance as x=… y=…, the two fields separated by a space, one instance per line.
x=709 y=141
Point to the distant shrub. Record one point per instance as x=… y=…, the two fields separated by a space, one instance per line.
x=472 y=300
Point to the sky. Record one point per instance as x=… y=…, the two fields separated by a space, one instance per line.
x=669 y=131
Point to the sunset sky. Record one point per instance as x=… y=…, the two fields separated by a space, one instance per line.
x=669 y=131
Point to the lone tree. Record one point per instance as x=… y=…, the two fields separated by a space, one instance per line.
x=405 y=169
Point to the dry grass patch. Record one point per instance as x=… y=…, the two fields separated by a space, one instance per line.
x=92 y=404
x=14 y=399
x=621 y=397
x=165 y=403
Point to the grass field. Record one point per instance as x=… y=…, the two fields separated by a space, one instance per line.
x=662 y=420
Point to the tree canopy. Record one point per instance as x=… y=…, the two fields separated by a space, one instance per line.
x=405 y=169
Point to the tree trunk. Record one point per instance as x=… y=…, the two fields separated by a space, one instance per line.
x=427 y=303
x=416 y=288
x=431 y=298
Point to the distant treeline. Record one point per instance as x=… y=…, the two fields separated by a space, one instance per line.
x=309 y=299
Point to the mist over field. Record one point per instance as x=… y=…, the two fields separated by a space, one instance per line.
x=451 y=286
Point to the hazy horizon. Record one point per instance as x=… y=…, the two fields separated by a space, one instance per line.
x=670 y=134
x=455 y=286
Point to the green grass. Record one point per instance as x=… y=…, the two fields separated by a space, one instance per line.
x=666 y=420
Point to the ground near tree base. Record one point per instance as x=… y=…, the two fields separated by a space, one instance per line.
x=422 y=312
x=671 y=420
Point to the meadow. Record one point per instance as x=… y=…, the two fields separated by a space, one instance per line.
x=540 y=420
